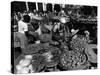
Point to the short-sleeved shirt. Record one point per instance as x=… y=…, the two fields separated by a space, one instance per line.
x=22 y=26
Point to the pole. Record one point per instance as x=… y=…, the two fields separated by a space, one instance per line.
x=44 y=6
x=27 y=8
x=53 y=7
x=36 y=6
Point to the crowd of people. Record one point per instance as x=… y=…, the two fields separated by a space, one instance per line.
x=50 y=28
x=28 y=23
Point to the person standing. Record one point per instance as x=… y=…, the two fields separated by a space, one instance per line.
x=23 y=30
